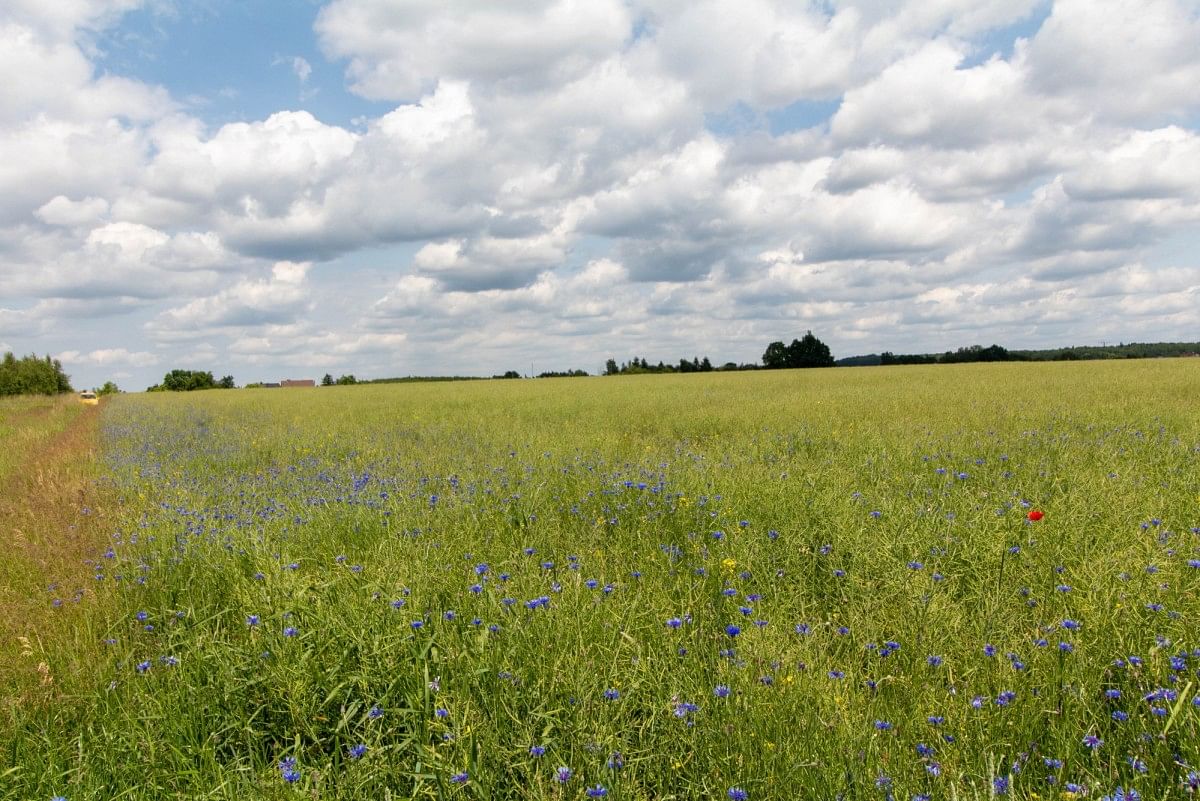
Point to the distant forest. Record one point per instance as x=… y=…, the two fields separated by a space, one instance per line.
x=996 y=353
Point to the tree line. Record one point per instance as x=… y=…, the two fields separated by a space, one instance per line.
x=998 y=353
x=31 y=375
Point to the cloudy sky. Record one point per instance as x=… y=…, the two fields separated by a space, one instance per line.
x=280 y=188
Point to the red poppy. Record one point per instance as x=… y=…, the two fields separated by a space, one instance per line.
x=1035 y=515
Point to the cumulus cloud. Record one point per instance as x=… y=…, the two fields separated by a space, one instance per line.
x=278 y=298
x=108 y=357
x=400 y=52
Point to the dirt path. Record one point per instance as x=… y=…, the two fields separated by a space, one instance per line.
x=52 y=519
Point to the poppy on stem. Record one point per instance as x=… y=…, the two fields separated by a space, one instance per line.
x=1035 y=515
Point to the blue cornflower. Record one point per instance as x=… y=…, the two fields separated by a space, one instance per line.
x=1052 y=763
x=142 y=667
x=1120 y=716
x=357 y=751
x=1000 y=785
x=915 y=565
x=460 y=778
x=563 y=774
x=732 y=630
x=685 y=708
x=1112 y=693
x=935 y=720
x=721 y=691
x=141 y=616
x=417 y=624
x=737 y=794
x=1070 y=625
x=375 y=712
x=596 y=792
x=537 y=750
x=934 y=661
x=674 y=623
x=252 y=620
x=1122 y=794
x=611 y=694
x=290 y=631
x=1066 y=647
x=288 y=770
x=1005 y=698
x=924 y=750
x=1092 y=741
x=989 y=650
x=441 y=713
x=836 y=674
x=883 y=725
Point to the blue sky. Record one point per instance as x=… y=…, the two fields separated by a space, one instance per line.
x=234 y=61
x=393 y=187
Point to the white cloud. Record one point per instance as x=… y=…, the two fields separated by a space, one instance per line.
x=108 y=357
x=301 y=68
x=61 y=210
x=398 y=52
x=249 y=302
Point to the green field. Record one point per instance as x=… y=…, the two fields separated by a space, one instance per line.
x=776 y=585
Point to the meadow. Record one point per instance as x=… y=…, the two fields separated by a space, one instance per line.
x=954 y=581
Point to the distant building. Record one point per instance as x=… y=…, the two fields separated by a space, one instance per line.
x=270 y=385
x=301 y=382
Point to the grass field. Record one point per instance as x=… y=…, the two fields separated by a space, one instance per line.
x=796 y=584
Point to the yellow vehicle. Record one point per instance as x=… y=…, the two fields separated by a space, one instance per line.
x=88 y=398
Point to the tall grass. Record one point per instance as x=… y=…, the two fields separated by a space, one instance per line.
x=798 y=584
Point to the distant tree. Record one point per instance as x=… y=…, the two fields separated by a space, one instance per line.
x=226 y=382
x=706 y=365
x=188 y=380
x=109 y=388
x=610 y=367
x=775 y=356
x=327 y=380
x=809 y=352
x=347 y=379
x=510 y=374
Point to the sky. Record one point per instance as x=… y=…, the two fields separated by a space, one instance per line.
x=280 y=189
